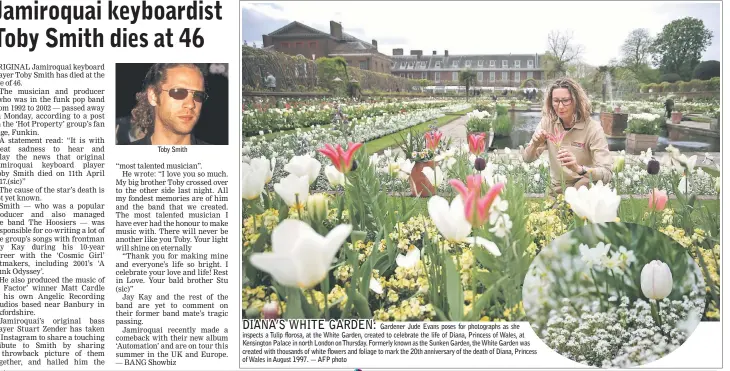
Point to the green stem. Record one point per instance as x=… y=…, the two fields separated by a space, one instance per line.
x=656 y=313
x=598 y=291
x=325 y=290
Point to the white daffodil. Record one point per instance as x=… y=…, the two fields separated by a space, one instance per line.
x=626 y=257
x=300 y=257
x=253 y=182
x=445 y=155
x=451 y=222
x=436 y=177
x=405 y=166
x=304 y=166
x=410 y=259
x=598 y=204
x=334 y=176
x=656 y=280
x=595 y=256
x=266 y=165
x=376 y=286
x=502 y=226
x=292 y=187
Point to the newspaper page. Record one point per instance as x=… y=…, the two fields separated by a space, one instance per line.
x=120 y=229
x=223 y=185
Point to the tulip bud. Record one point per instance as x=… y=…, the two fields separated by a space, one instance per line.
x=656 y=280
x=271 y=310
x=652 y=167
x=618 y=166
x=252 y=312
x=317 y=207
x=480 y=164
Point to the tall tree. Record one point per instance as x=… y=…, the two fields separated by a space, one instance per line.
x=561 y=51
x=678 y=48
x=467 y=78
x=636 y=50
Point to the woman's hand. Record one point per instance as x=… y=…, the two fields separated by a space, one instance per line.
x=538 y=138
x=568 y=160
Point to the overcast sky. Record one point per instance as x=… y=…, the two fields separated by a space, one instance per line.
x=484 y=27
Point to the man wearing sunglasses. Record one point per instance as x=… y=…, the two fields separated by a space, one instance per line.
x=169 y=106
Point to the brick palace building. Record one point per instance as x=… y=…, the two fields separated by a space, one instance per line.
x=492 y=70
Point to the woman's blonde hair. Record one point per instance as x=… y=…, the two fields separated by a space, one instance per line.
x=581 y=103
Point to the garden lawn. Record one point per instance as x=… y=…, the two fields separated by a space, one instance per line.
x=277 y=134
x=377 y=145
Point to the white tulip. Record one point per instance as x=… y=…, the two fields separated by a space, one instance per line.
x=451 y=222
x=376 y=286
x=436 y=177
x=265 y=165
x=334 y=176
x=409 y=260
x=291 y=187
x=253 y=182
x=599 y=204
x=304 y=166
x=300 y=257
x=656 y=280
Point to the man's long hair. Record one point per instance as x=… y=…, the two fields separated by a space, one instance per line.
x=581 y=103
x=143 y=114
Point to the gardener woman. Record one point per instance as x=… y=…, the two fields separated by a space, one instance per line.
x=576 y=144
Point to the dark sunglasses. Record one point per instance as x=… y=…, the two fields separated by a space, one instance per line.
x=181 y=94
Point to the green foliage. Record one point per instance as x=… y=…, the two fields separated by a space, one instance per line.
x=502 y=126
x=707 y=70
x=679 y=46
x=670 y=77
x=501 y=110
x=477 y=125
x=641 y=126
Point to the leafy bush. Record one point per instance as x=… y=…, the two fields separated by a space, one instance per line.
x=707 y=70
x=477 y=125
x=713 y=84
x=501 y=110
x=502 y=126
x=644 y=123
x=670 y=77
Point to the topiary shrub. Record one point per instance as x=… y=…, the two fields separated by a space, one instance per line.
x=707 y=70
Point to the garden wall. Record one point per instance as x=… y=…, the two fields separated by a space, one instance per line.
x=297 y=74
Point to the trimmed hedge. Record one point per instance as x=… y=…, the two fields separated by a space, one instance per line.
x=712 y=84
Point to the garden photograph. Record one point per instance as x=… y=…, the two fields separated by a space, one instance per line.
x=614 y=295
x=575 y=187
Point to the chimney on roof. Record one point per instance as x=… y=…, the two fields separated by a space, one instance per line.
x=398 y=51
x=336 y=30
x=446 y=53
x=417 y=53
x=434 y=52
x=375 y=44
